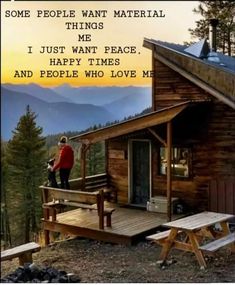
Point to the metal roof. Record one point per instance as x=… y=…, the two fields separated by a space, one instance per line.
x=228 y=61
x=216 y=79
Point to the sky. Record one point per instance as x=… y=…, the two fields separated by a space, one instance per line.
x=37 y=47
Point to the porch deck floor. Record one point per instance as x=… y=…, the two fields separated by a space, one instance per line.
x=127 y=224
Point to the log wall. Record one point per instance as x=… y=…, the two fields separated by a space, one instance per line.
x=172 y=88
x=208 y=129
x=118 y=169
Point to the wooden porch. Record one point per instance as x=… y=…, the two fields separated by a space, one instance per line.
x=128 y=224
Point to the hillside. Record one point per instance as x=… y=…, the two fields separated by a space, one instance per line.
x=96 y=262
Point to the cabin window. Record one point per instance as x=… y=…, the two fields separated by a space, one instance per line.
x=179 y=161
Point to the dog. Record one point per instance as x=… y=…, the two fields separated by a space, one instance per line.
x=51 y=174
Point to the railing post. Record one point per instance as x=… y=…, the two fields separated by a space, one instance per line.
x=169 y=181
x=46 y=215
x=100 y=205
x=84 y=149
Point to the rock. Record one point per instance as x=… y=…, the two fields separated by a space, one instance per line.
x=32 y=273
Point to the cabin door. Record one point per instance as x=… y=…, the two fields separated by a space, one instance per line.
x=139 y=172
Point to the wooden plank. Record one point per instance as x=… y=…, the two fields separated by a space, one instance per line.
x=213 y=196
x=88 y=233
x=71 y=195
x=72 y=204
x=199 y=221
x=195 y=249
x=157 y=136
x=183 y=246
x=221 y=196
x=159 y=236
x=75 y=184
x=118 y=154
x=230 y=197
x=19 y=250
x=217 y=244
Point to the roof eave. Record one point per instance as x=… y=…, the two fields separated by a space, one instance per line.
x=133 y=125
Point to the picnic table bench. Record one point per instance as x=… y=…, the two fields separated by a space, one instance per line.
x=23 y=252
x=215 y=245
x=196 y=228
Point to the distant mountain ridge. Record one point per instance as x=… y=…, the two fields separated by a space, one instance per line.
x=53 y=117
x=99 y=95
x=66 y=108
x=45 y=94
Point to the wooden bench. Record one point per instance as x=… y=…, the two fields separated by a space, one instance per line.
x=23 y=252
x=159 y=237
x=213 y=246
x=55 y=198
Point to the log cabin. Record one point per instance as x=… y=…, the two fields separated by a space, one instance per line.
x=183 y=148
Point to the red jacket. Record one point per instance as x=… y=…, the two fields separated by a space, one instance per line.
x=66 y=158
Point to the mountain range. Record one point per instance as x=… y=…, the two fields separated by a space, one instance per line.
x=66 y=108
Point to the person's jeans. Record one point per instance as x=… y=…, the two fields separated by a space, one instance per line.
x=64 y=178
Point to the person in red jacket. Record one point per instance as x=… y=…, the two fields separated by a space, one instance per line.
x=65 y=162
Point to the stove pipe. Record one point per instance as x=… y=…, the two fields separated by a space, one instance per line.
x=212 y=34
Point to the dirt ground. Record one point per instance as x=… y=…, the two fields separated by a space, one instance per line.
x=98 y=262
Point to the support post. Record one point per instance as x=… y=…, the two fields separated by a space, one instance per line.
x=100 y=205
x=153 y=81
x=25 y=258
x=84 y=149
x=46 y=237
x=46 y=216
x=169 y=181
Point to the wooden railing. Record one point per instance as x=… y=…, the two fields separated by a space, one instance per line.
x=91 y=182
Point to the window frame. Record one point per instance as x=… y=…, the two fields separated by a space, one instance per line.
x=174 y=176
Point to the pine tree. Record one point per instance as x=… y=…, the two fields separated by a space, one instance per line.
x=5 y=226
x=96 y=159
x=26 y=159
x=223 y=11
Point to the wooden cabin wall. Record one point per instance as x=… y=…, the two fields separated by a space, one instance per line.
x=172 y=88
x=209 y=131
x=210 y=134
x=118 y=168
x=118 y=164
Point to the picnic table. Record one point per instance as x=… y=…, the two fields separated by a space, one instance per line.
x=196 y=229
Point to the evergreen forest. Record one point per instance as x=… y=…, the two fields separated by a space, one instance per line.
x=24 y=168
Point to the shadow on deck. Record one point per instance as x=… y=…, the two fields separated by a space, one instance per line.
x=128 y=225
